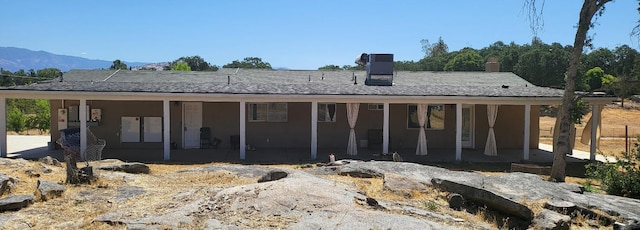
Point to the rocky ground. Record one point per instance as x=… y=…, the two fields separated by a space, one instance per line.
x=350 y=195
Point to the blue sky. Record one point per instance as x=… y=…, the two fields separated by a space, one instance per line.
x=292 y=34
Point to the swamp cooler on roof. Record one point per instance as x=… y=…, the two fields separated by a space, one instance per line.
x=379 y=68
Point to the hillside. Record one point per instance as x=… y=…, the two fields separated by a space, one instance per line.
x=14 y=59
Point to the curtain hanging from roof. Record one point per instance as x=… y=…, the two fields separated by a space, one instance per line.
x=586 y=132
x=491 y=149
x=421 y=149
x=352 y=117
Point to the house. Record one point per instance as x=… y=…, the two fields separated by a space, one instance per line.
x=306 y=110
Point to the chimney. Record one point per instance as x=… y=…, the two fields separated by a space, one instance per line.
x=492 y=65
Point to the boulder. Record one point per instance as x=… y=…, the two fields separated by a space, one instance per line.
x=128 y=167
x=50 y=161
x=6 y=183
x=360 y=172
x=240 y=170
x=402 y=185
x=273 y=175
x=14 y=203
x=47 y=190
x=560 y=206
x=486 y=197
x=551 y=220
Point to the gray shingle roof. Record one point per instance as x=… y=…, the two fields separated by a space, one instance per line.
x=293 y=82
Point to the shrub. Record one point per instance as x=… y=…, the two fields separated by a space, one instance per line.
x=621 y=178
x=16 y=120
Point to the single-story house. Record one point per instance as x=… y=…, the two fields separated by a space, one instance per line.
x=306 y=109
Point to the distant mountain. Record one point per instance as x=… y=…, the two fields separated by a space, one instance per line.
x=14 y=59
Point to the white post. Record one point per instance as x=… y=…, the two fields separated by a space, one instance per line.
x=385 y=129
x=3 y=127
x=595 y=121
x=166 y=132
x=527 y=130
x=458 y=131
x=243 y=117
x=83 y=128
x=314 y=130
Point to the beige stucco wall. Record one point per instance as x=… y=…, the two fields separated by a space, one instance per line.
x=223 y=119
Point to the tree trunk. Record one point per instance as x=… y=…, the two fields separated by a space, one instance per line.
x=588 y=10
x=72 y=169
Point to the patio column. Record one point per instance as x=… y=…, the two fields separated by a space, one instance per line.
x=83 y=128
x=527 y=130
x=385 y=129
x=166 y=132
x=595 y=122
x=243 y=122
x=458 y=131
x=3 y=127
x=314 y=130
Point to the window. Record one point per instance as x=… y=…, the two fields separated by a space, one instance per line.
x=376 y=106
x=435 y=117
x=326 y=112
x=267 y=112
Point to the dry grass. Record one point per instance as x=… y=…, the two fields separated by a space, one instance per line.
x=614 y=120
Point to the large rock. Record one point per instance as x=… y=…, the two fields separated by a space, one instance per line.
x=551 y=220
x=6 y=183
x=17 y=202
x=128 y=167
x=50 y=161
x=488 y=198
x=240 y=170
x=402 y=185
x=47 y=190
x=518 y=187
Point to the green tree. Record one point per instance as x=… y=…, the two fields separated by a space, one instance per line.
x=16 y=120
x=543 y=65
x=117 y=64
x=48 y=73
x=181 y=66
x=195 y=63
x=249 y=63
x=436 y=49
x=595 y=76
x=466 y=60
x=330 y=67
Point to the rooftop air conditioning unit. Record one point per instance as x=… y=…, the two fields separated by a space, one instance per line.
x=379 y=68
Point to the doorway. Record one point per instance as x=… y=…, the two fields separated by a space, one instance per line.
x=468 y=116
x=191 y=124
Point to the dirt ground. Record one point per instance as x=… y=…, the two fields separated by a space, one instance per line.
x=615 y=120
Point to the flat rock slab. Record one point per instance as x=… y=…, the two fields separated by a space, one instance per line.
x=14 y=203
x=128 y=167
x=47 y=190
x=402 y=185
x=13 y=162
x=247 y=171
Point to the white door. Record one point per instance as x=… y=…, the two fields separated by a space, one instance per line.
x=468 y=117
x=191 y=124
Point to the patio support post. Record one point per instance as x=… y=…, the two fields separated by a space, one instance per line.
x=314 y=130
x=3 y=127
x=458 y=131
x=166 y=132
x=595 y=122
x=243 y=122
x=527 y=130
x=83 y=128
x=385 y=129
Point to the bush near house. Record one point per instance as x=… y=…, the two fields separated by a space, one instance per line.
x=621 y=178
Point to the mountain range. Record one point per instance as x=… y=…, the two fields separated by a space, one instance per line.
x=14 y=59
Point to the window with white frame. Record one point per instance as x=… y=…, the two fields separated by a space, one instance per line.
x=376 y=106
x=435 y=117
x=267 y=112
x=326 y=112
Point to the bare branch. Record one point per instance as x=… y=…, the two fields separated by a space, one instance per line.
x=534 y=16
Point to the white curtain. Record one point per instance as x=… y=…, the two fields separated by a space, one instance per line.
x=491 y=149
x=421 y=149
x=352 y=117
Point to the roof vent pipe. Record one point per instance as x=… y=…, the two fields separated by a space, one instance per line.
x=228 y=79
